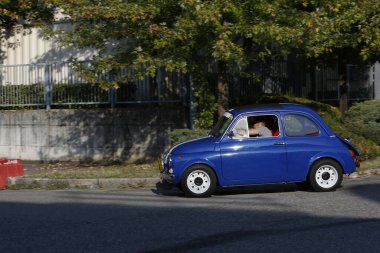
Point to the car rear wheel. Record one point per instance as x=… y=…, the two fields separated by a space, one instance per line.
x=325 y=175
x=198 y=181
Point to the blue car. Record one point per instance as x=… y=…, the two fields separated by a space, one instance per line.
x=263 y=144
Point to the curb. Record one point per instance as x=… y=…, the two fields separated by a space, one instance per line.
x=112 y=183
x=366 y=173
x=100 y=183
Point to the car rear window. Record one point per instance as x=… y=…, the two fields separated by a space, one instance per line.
x=299 y=125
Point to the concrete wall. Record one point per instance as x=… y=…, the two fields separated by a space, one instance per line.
x=127 y=134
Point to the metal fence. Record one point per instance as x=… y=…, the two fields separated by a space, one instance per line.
x=59 y=83
x=359 y=83
x=295 y=78
x=274 y=77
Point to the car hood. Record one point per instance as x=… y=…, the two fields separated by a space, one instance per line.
x=193 y=146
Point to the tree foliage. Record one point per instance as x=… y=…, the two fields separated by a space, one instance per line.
x=219 y=36
x=23 y=12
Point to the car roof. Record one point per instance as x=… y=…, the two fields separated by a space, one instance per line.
x=270 y=107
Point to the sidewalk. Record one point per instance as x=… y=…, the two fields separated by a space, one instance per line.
x=100 y=183
x=29 y=181
x=33 y=180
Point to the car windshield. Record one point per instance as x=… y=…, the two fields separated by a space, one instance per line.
x=222 y=124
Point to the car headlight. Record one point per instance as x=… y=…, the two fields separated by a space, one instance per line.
x=166 y=160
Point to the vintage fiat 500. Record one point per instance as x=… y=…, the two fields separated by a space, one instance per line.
x=263 y=144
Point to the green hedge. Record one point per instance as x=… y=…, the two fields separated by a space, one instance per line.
x=180 y=135
x=22 y=94
x=364 y=119
x=78 y=93
x=33 y=94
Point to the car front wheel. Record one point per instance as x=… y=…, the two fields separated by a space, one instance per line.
x=198 y=181
x=325 y=175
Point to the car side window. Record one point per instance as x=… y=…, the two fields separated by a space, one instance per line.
x=263 y=126
x=241 y=129
x=298 y=125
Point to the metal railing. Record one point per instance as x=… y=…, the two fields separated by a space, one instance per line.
x=56 y=84
x=59 y=84
x=295 y=78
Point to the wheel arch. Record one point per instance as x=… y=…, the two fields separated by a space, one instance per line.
x=325 y=174
x=204 y=164
x=323 y=158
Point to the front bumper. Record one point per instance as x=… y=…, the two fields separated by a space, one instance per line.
x=166 y=171
x=167 y=178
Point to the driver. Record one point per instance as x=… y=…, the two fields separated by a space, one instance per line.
x=259 y=129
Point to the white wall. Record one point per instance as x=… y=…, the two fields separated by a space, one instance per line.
x=28 y=46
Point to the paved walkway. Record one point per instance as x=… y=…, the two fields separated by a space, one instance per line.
x=30 y=182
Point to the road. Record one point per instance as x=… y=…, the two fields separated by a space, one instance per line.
x=279 y=218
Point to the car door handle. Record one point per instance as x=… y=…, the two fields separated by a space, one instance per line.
x=281 y=143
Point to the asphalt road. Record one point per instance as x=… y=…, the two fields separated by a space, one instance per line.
x=279 y=218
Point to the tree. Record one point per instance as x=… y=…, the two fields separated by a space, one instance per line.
x=25 y=13
x=188 y=35
x=220 y=36
x=342 y=32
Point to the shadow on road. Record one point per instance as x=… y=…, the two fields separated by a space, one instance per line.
x=138 y=221
x=167 y=190
x=367 y=191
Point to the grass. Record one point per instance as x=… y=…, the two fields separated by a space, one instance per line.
x=78 y=171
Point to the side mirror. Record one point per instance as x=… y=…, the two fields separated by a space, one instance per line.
x=230 y=134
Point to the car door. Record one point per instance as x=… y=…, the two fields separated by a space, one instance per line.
x=252 y=160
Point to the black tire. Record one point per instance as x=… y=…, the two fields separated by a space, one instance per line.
x=198 y=181
x=325 y=175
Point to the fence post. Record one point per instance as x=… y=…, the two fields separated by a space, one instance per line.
x=159 y=83
x=112 y=96
x=191 y=101
x=48 y=86
x=376 y=80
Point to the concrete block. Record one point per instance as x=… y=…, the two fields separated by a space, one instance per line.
x=5 y=118
x=29 y=117
x=33 y=135
x=129 y=134
x=5 y=138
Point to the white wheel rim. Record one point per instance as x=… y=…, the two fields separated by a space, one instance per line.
x=198 y=182
x=326 y=176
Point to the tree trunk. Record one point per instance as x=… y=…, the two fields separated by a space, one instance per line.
x=314 y=91
x=223 y=91
x=342 y=73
